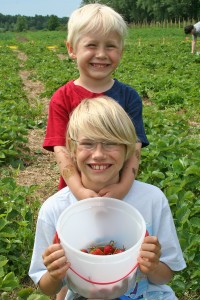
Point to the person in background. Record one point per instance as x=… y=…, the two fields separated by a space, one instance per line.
x=101 y=138
x=194 y=30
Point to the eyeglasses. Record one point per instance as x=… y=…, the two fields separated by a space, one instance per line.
x=92 y=145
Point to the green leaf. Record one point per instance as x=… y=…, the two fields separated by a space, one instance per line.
x=9 y=282
x=2 y=273
x=188 y=196
x=3 y=222
x=158 y=174
x=192 y=170
x=195 y=222
x=25 y=293
x=182 y=214
x=3 y=261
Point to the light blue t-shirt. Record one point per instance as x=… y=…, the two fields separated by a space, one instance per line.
x=154 y=207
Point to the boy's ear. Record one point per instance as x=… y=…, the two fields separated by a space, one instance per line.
x=70 y=50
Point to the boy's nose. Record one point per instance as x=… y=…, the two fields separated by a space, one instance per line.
x=98 y=151
x=101 y=52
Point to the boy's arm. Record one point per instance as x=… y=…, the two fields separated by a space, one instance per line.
x=128 y=175
x=56 y=263
x=70 y=174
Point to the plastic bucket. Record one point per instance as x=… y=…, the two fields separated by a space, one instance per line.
x=97 y=221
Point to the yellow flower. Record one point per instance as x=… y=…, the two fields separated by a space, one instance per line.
x=52 y=47
x=13 y=47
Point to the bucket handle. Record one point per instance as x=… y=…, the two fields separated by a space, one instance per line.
x=104 y=283
x=57 y=240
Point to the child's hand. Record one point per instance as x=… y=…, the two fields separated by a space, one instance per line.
x=55 y=261
x=150 y=253
x=83 y=193
x=113 y=191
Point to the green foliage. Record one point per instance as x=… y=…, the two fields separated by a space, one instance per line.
x=21 y=24
x=16 y=224
x=158 y=64
x=16 y=232
x=138 y=10
x=15 y=111
x=172 y=162
x=53 y=23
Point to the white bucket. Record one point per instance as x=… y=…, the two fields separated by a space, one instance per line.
x=98 y=221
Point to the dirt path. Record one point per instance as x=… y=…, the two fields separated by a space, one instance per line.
x=41 y=170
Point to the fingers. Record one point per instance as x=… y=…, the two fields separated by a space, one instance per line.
x=151 y=243
x=150 y=253
x=151 y=248
x=55 y=260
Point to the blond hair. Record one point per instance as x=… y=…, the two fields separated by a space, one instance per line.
x=101 y=118
x=92 y=18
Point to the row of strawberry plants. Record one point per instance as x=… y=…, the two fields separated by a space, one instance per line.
x=18 y=205
x=166 y=74
x=15 y=112
x=49 y=68
x=13 y=108
x=172 y=162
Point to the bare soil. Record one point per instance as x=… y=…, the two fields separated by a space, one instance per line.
x=41 y=170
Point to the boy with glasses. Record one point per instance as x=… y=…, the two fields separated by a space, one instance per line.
x=100 y=139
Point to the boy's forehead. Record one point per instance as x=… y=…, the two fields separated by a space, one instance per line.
x=96 y=35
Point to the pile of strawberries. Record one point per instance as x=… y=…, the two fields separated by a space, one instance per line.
x=108 y=249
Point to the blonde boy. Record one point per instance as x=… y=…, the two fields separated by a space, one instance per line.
x=101 y=139
x=95 y=41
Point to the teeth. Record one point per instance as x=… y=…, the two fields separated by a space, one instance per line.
x=98 y=167
x=99 y=66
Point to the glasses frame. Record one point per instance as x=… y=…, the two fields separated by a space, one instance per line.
x=92 y=145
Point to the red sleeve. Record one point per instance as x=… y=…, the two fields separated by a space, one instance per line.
x=58 y=117
x=64 y=100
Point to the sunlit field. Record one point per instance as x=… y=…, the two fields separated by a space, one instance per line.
x=158 y=63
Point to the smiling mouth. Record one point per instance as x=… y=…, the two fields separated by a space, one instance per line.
x=99 y=167
x=99 y=66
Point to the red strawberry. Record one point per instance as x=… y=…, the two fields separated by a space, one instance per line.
x=118 y=250
x=96 y=251
x=84 y=250
x=109 y=249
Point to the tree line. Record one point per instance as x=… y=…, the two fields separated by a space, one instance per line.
x=135 y=11
x=38 y=22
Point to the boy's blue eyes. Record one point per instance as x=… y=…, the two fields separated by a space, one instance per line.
x=95 y=46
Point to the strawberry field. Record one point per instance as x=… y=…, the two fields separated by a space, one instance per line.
x=157 y=62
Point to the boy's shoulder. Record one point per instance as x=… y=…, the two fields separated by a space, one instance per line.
x=56 y=203
x=150 y=194
x=122 y=85
x=68 y=85
x=121 y=89
x=147 y=187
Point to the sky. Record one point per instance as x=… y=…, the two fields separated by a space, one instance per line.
x=60 y=8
